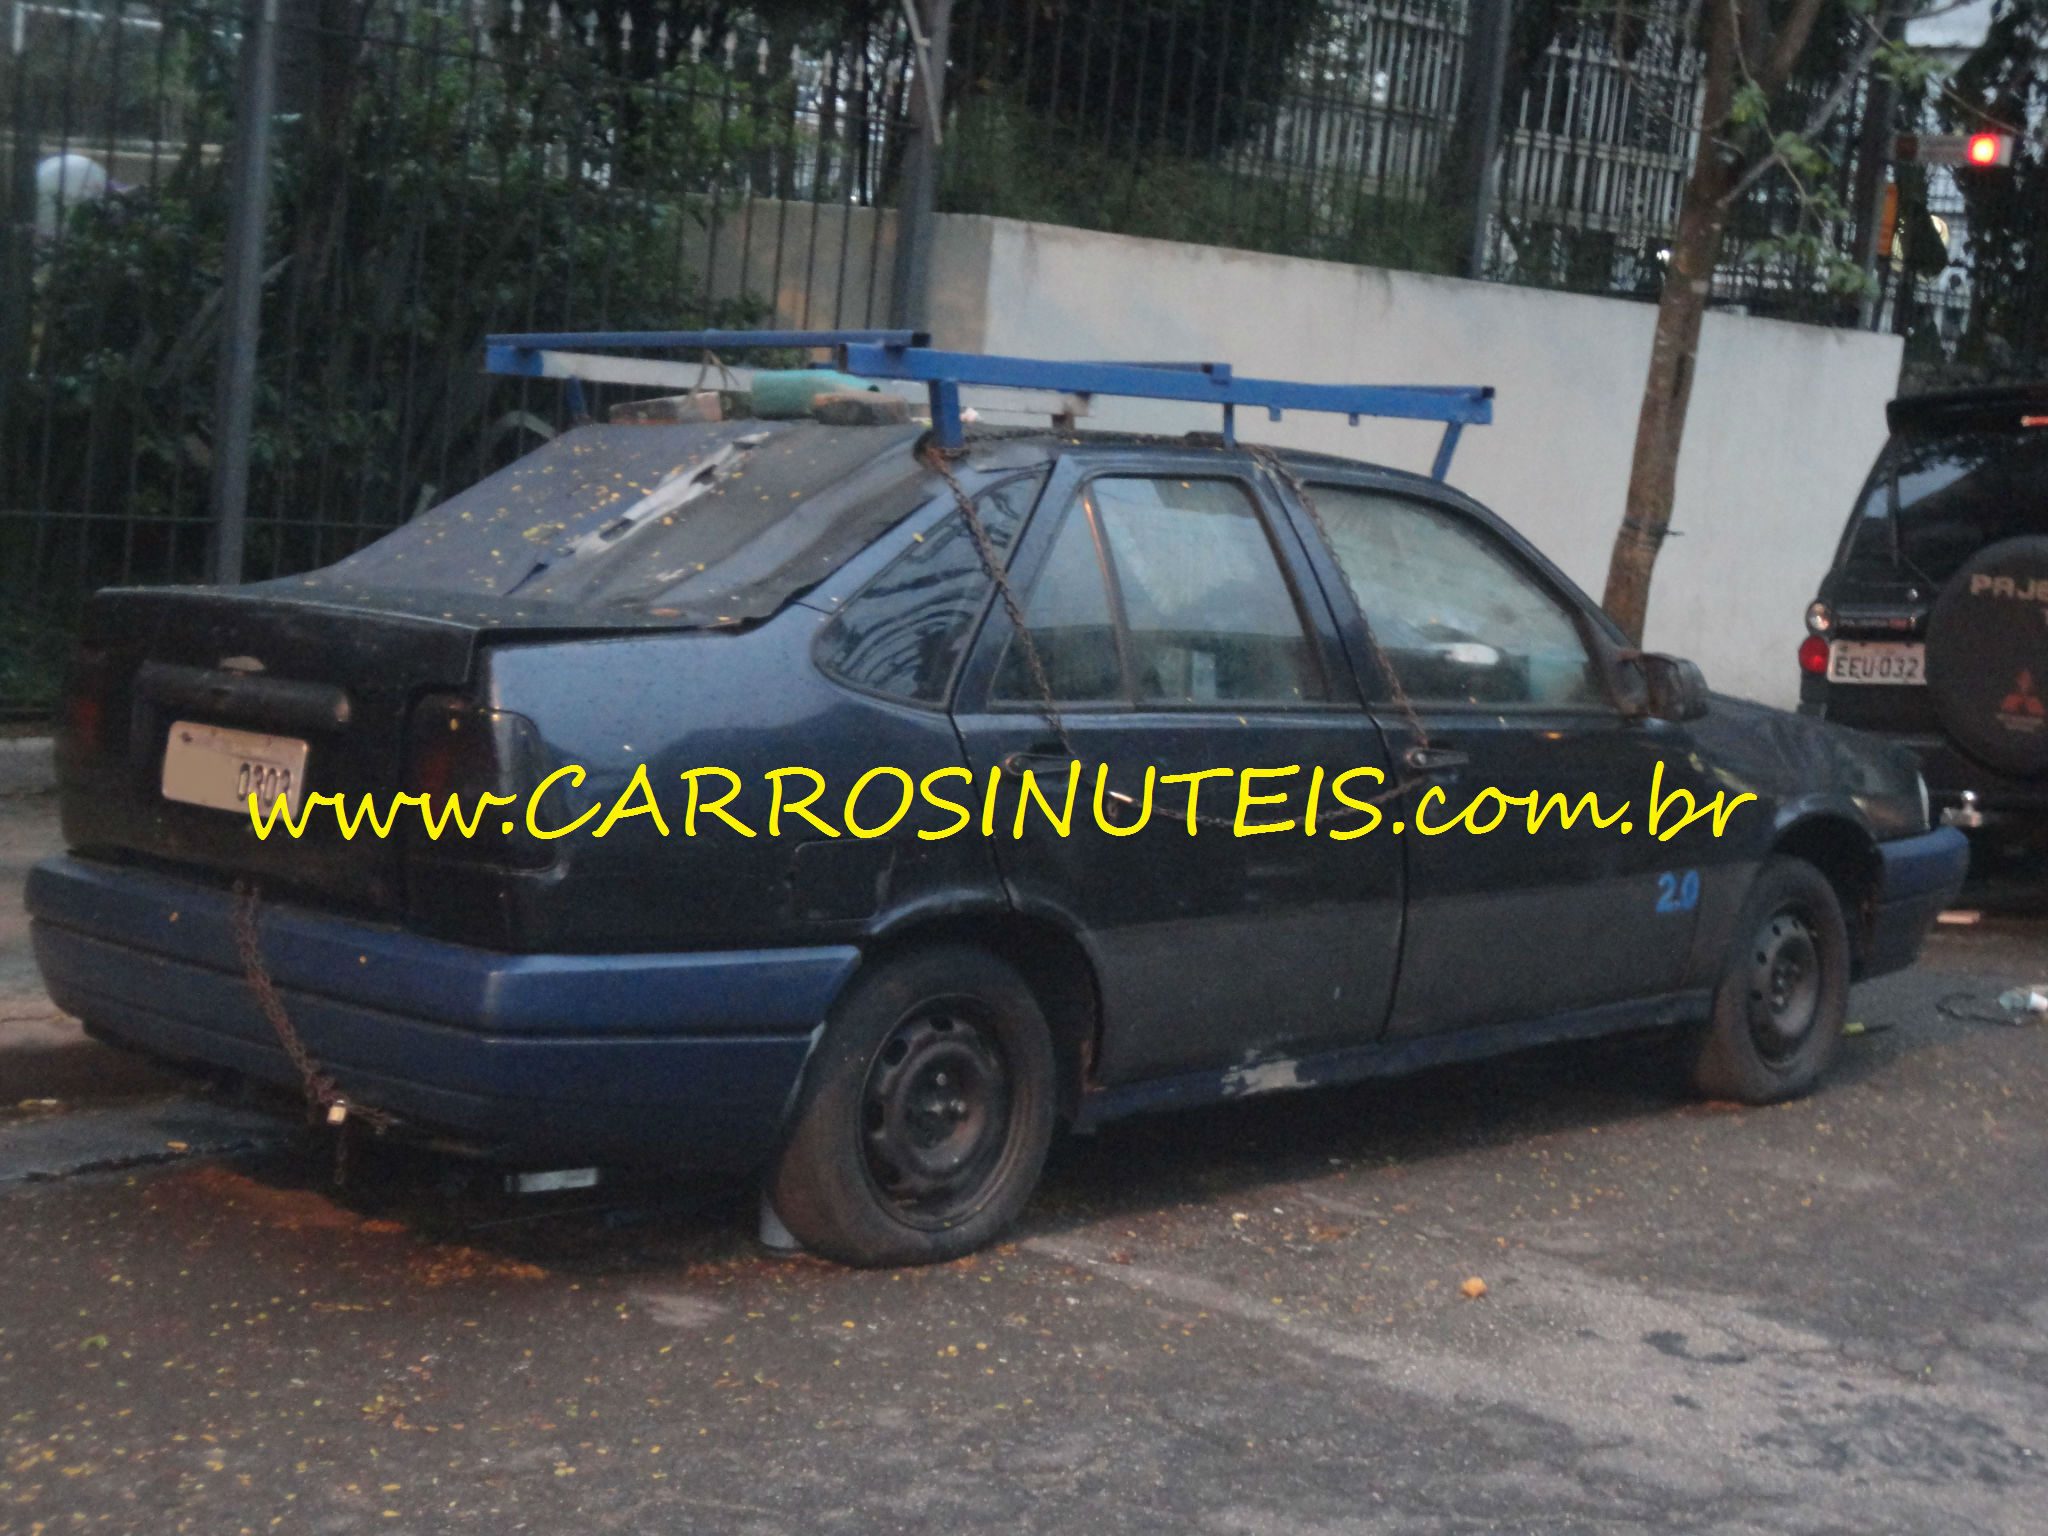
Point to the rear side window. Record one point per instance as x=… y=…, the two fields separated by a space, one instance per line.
x=1164 y=591
x=904 y=632
x=1208 y=612
x=1934 y=501
x=1071 y=628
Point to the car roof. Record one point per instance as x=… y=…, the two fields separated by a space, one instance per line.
x=589 y=531
x=1990 y=407
x=999 y=447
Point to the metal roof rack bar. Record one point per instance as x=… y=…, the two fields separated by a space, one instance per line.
x=732 y=341
x=579 y=357
x=909 y=357
x=1456 y=406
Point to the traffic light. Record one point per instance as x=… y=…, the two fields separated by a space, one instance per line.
x=1988 y=149
x=1982 y=151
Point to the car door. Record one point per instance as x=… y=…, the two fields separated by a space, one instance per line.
x=1493 y=649
x=1178 y=629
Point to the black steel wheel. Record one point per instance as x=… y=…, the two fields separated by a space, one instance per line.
x=1784 y=984
x=935 y=1113
x=1784 y=991
x=925 y=1112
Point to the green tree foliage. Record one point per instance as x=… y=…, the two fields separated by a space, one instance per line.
x=1162 y=118
x=439 y=196
x=1191 y=77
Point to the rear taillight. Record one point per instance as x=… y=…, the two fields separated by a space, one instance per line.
x=455 y=747
x=1820 y=619
x=1813 y=656
x=457 y=751
x=82 y=726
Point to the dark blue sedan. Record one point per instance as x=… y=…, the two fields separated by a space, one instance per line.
x=869 y=808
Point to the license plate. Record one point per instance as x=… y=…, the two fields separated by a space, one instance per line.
x=1856 y=661
x=212 y=766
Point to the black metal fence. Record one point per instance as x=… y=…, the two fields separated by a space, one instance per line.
x=444 y=168
x=440 y=169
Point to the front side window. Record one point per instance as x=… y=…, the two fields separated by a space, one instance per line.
x=1164 y=591
x=902 y=634
x=1460 y=619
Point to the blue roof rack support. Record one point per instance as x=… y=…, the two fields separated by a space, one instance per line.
x=1445 y=449
x=943 y=373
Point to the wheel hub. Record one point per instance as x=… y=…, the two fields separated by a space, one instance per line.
x=1784 y=984
x=935 y=1115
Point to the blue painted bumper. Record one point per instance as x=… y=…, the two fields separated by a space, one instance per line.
x=683 y=1060
x=1920 y=877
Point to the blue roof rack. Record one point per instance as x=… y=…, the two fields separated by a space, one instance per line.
x=907 y=356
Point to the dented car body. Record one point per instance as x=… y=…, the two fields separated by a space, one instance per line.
x=888 y=1025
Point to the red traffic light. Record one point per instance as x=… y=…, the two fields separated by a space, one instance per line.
x=1982 y=150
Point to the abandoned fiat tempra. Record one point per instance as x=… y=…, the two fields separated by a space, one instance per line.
x=874 y=798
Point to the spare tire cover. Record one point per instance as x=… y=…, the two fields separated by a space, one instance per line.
x=1987 y=657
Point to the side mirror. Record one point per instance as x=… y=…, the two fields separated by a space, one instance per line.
x=1675 y=687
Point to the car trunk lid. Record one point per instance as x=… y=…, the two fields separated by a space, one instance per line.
x=340 y=679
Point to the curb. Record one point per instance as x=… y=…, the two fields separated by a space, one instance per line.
x=28 y=766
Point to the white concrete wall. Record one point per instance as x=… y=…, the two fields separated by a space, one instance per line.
x=1785 y=418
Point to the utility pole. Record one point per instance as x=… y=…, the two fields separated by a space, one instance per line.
x=1492 y=21
x=910 y=289
x=234 y=410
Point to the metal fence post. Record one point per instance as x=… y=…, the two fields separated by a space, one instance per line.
x=1873 y=167
x=910 y=287
x=242 y=289
x=1492 y=21
x=17 y=237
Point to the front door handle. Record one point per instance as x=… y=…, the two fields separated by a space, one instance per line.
x=1435 y=759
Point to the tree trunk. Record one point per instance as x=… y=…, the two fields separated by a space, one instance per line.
x=1681 y=307
x=1653 y=476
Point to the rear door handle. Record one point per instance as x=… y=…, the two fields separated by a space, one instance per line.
x=1036 y=760
x=1435 y=759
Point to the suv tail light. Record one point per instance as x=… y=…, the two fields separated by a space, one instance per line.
x=1813 y=656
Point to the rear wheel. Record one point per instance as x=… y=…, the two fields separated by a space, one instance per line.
x=1784 y=990
x=925 y=1113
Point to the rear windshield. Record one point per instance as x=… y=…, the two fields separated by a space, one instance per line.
x=704 y=523
x=1934 y=501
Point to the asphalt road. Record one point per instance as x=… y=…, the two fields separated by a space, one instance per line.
x=1828 y=1316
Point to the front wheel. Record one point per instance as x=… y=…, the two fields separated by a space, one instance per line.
x=925 y=1112
x=1784 y=990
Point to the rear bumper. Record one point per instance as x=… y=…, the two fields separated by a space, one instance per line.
x=684 y=1060
x=1919 y=877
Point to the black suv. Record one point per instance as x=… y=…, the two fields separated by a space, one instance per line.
x=1932 y=626
x=705 y=664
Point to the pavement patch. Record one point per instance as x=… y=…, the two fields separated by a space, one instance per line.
x=1767 y=1402
x=59 y=1145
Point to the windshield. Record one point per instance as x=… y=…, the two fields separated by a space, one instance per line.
x=1953 y=494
